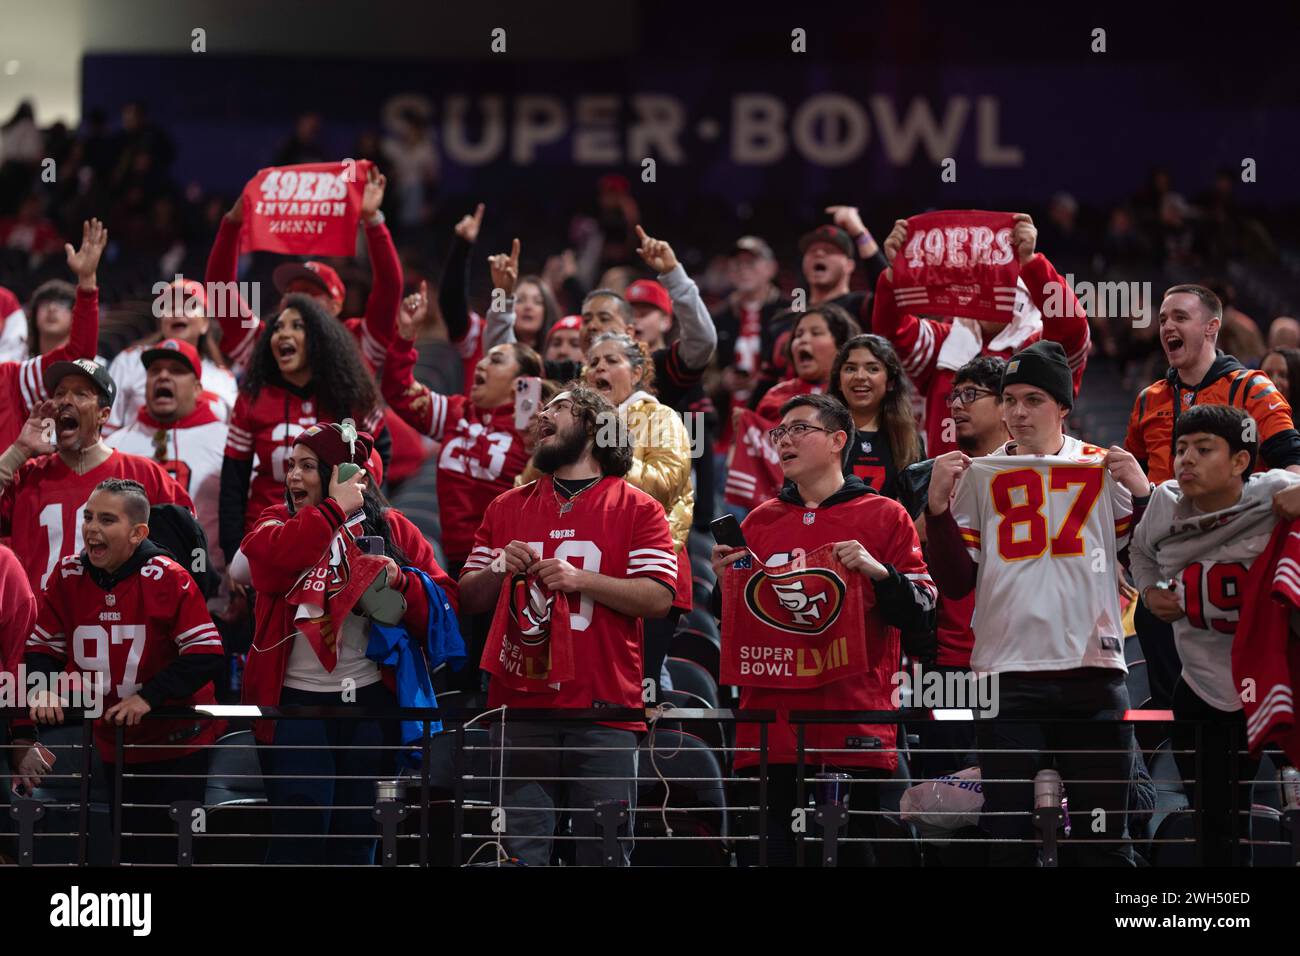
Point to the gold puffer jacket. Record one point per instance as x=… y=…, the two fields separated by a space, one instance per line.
x=661 y=464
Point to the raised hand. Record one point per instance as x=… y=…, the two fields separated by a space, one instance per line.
x=894 y=242
x=373 y=197
x=414 y=308
x=505 y=269
x=468 y=226
x=656 y=253
x=1024 y=236
x=948 y=468
x=84 y=261
x=36 y=437
x=348 y=493
x=848 y=219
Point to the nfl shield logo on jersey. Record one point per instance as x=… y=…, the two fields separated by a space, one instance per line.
x=110 y=599
x=809 y=517
x=866 y=448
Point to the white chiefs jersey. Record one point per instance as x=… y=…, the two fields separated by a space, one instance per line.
x=192 y=452
x=130 y=376
x=1046 y=531
x=1207 y=556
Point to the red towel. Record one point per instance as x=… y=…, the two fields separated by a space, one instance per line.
x=326 y=594
x=796 y=626
x=529 y=646
x=1265 y=651
x=958 y=263
x=306 y=210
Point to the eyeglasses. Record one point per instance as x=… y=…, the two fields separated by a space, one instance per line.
x=966 y=396
x=795 y=431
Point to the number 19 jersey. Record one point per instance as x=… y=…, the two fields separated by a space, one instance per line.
x=1045 y=531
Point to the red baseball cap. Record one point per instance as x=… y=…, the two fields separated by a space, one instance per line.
x=314 y=272
x=649 y=292
x=174 y=349
x=573 y=322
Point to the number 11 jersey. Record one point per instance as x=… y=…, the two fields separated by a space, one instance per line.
x=1045 y=531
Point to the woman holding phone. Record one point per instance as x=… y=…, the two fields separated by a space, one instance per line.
x=313 y=766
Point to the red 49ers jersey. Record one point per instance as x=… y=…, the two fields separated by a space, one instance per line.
x=127 y=635
x=482 y=452
x=263 y=427
x=42 y=507
x=612 y=529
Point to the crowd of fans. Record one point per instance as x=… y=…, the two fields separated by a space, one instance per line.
x=579 y=424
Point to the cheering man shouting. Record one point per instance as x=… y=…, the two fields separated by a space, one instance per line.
x=585 y=533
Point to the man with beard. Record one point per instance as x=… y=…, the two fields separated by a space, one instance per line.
x=58 y=459
x=181 y=432
x=1199 y=374
x=586 y=533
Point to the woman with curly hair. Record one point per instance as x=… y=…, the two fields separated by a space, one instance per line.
x=815 y=340
x=305 y=369
x=868 y=378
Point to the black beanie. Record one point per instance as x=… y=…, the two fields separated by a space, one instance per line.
x=1042 y=365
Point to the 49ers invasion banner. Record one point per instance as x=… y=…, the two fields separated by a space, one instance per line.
x=311 y=209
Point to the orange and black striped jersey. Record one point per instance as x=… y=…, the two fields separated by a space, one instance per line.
x=1151 y=426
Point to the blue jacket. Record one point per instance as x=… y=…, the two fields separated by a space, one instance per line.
x=414 y=663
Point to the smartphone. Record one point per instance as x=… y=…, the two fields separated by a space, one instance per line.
x=726 y=530
x=371 y=544
x=347 y=470
x=528 y=399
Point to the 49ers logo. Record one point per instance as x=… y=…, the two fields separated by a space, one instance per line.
x=800 y=602
x=530 y=609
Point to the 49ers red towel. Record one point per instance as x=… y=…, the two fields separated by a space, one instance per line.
x=795 y=626
x=306 y=210
x=326 y=593
x=958 y=263
x=529 y=646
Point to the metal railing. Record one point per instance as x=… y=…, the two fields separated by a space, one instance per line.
x=688 y=806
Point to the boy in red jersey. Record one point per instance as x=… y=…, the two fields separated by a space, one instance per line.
x=872 y=535
x=42 y=500
x=585 y=532
x=126 y=613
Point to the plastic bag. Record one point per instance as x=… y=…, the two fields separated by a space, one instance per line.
x=945 y=804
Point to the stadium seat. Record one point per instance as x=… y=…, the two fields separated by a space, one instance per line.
x=693 y=802
x=698 y=646
x=713 y=733
x=693 y=678
x=1264 y=790
x=701 y=620
x=1266 y=827
x=234 y=772
x=1132 y=651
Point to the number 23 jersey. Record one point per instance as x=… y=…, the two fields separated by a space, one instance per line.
x=1045 y=531
x=612 y=529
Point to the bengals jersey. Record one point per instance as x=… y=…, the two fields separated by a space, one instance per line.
x=481 y=454
x=263 y=428
x=612 y=529
x=1045 y=532
x=776 y=532
x=1150 y=438
x=126 y=634
x=42 y=506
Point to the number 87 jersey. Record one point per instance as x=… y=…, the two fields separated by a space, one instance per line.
x=1045 y=531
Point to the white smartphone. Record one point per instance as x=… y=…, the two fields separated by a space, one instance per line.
x=528 y=399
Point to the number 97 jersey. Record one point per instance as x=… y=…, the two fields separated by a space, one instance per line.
x=1045 y=531
x=123 y=636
